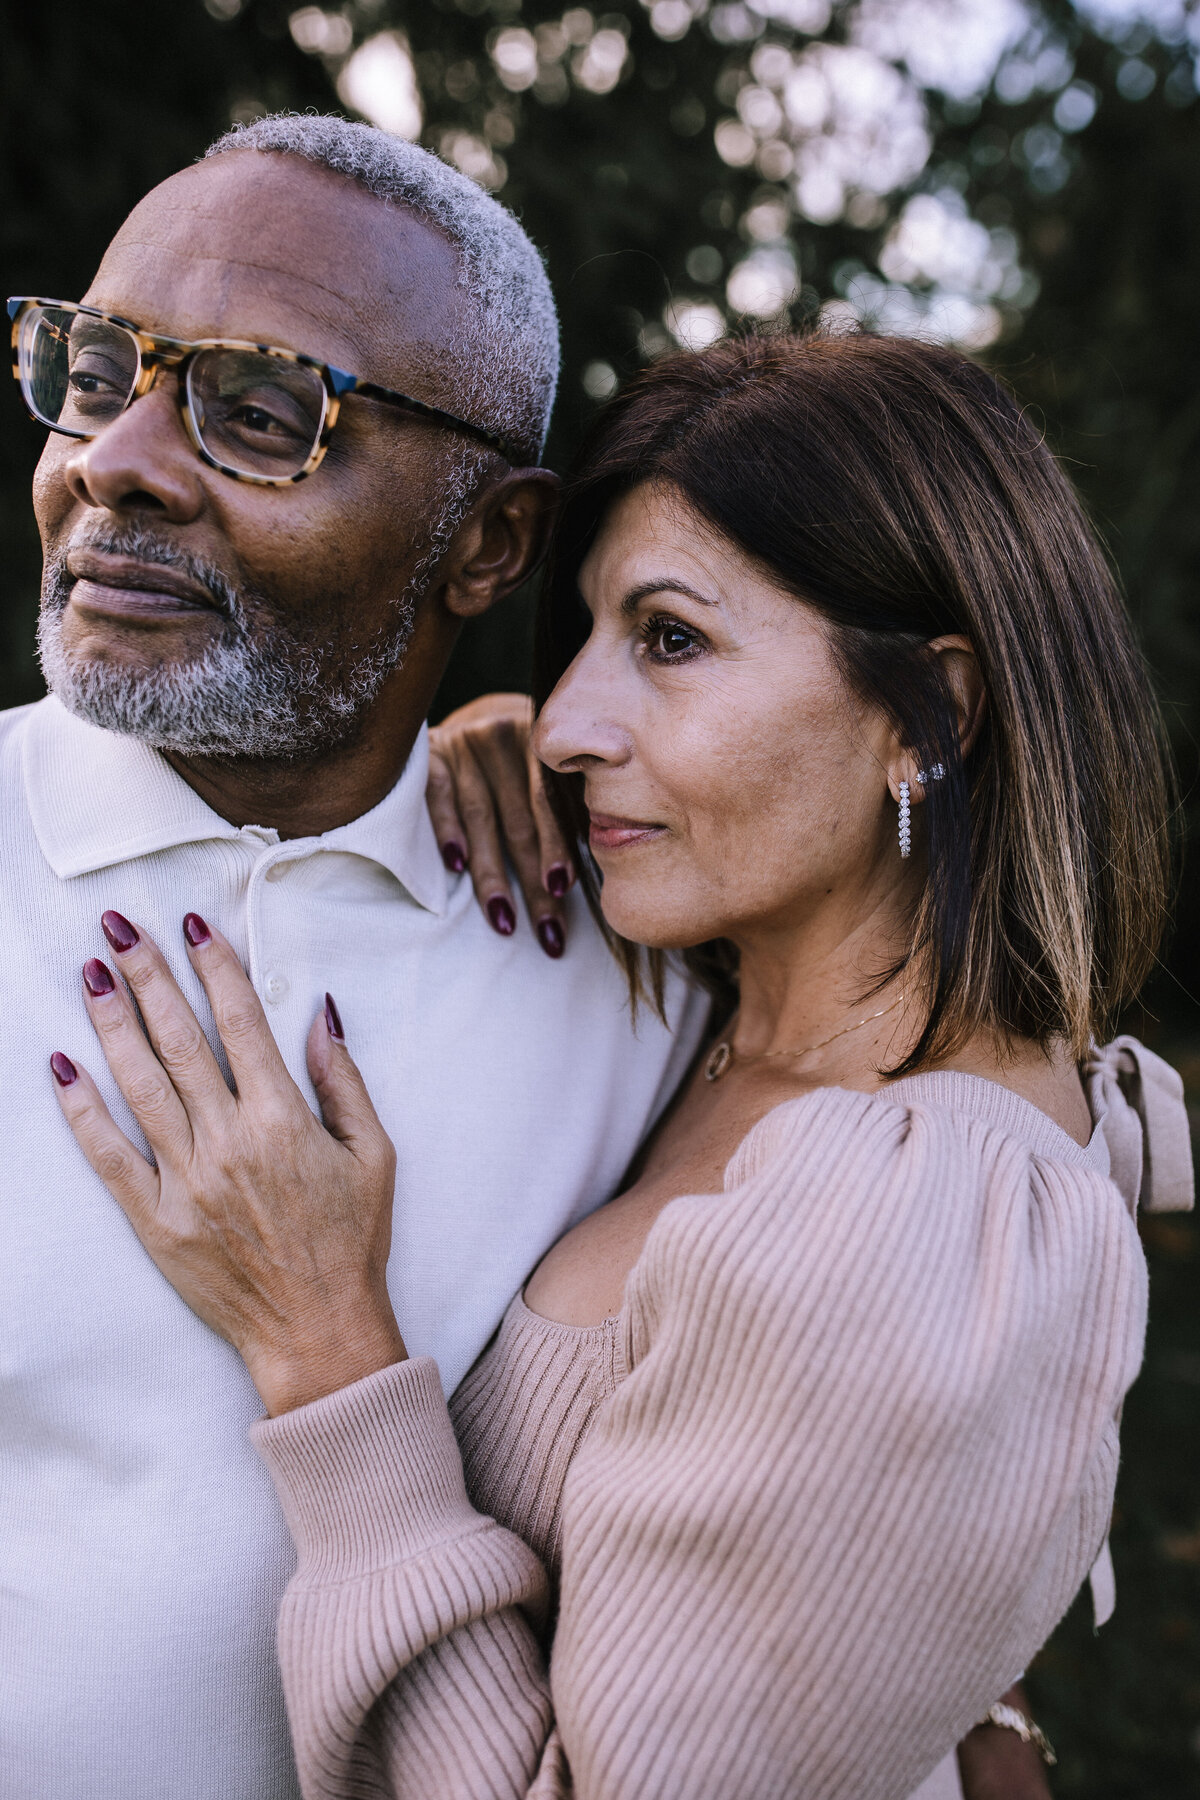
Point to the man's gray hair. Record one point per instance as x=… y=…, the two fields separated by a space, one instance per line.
x=506 y=369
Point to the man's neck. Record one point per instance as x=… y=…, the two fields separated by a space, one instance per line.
x=304 y=799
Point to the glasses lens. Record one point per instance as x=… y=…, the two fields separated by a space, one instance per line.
x=76 y=372
x=260 y=415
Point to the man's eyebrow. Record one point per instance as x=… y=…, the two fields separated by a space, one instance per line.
x=662 y=584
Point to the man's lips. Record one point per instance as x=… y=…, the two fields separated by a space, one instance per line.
x=607 y=832
x=120 y=587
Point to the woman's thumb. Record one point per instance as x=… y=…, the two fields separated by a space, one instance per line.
x=346 y=1108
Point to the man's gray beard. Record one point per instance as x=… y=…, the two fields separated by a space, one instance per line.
x=260 y=691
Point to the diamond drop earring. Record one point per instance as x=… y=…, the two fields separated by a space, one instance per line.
x=905 y=820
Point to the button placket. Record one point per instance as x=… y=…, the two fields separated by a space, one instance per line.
x=269 y=981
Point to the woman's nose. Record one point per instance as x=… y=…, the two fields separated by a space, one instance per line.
x=581 y=724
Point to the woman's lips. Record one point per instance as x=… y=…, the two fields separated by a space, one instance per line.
x=605 y=832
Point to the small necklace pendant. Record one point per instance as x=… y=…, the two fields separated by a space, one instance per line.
x=719 y=1060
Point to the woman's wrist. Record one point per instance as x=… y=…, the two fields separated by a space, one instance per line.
x=995 y=1763
x=323 y=1360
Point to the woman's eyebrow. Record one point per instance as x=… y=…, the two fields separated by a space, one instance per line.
x=662 y=584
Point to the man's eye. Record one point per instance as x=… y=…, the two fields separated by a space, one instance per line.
x=669 y=640
x=271 y=418
x=254 y=418
x=94 y=394
x=95 y=381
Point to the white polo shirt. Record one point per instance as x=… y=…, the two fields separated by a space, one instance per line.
x=142 y=1551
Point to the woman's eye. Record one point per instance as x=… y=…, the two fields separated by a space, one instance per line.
x=669 y=640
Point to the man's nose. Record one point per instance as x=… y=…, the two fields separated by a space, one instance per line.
x=582 y=723
x=143 y=462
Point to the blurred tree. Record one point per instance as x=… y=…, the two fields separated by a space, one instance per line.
x=1017 y=176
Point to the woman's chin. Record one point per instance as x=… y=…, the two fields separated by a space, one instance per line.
x=654 y=926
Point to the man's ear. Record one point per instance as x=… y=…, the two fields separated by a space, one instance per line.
x=500 y=542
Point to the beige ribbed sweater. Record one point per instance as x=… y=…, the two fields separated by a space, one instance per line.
x=801 y=1513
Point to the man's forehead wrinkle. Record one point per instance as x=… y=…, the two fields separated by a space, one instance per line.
x=185 y=314
x=369 y=331
x=394 y=286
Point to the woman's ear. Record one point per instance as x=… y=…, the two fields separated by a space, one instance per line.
x=500 y=542
x=964 y=679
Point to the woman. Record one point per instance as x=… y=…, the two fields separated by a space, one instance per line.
x=805 y=1440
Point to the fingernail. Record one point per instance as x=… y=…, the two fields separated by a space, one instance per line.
x=119 y=932
x=195 y=930
x=97 y=978
x=454 y=857
x=550 y=937
x=333 y=1020
x=558 y=880
x=64 y=1069
x=504 y=919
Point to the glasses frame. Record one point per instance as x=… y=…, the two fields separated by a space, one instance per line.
x=156 y=353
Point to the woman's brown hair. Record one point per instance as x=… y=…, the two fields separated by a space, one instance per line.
x=900 y=489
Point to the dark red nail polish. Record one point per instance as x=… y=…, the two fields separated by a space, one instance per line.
x=550 y=937
x=333 y=1020
x=119 y=932
x=558 y=880
x=97 y=978
x=454 y=858
x=504 y=919
x=195 y=930
x=64 y=1069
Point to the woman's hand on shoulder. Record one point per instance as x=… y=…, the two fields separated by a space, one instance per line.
x=274 y=1227
x=486 y=797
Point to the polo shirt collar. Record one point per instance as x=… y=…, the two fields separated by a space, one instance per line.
x=98 y=798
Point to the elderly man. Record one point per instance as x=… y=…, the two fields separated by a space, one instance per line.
x=294 y=444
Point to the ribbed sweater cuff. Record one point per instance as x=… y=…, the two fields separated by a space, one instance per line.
x=369 y=1476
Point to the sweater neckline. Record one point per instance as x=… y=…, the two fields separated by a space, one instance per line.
x=976 y=1095
x=996 y=1104
x=558 y=1327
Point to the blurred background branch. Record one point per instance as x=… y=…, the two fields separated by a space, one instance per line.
x=1018 y=177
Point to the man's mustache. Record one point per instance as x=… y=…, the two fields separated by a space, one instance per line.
x=141 y=545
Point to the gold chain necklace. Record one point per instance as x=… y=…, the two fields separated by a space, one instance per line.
x=722 y=1055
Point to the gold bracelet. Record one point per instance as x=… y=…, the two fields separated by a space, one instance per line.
x=1009 y=1718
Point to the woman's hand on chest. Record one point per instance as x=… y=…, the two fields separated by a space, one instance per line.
x=273 y=1226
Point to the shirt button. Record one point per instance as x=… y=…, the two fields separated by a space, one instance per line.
x=275 y=987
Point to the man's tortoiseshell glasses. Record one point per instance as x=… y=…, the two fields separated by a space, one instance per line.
x=253 y=411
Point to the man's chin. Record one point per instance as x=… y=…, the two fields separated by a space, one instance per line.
x=196 y=708
x=202 y=687
x=192 y=698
